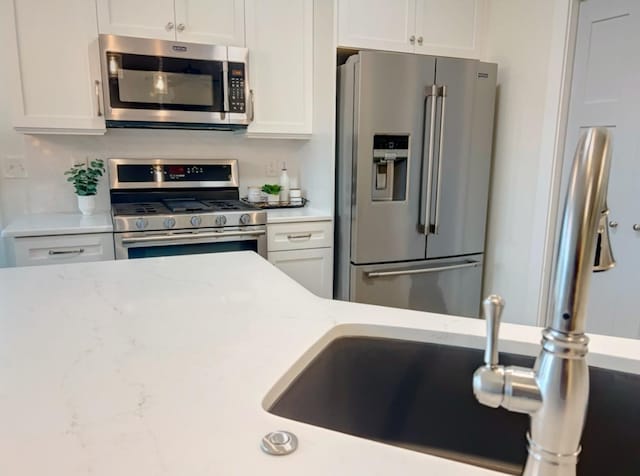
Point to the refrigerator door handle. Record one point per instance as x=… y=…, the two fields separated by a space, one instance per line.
x=438 y=269
x=436 y=223
x=432 y=92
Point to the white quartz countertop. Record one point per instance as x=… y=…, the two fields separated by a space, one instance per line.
x=161 y=367
x=291 y=215
x=47 y=224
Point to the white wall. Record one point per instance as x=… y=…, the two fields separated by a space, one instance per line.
x=48 y=156
x=527 y=40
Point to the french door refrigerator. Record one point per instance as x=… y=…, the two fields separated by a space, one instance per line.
x=412 y=180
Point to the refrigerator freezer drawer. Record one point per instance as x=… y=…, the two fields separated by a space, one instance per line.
x=447 y=286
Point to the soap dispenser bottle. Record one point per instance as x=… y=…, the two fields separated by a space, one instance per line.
x=284 y=184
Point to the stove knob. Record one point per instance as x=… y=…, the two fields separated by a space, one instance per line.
x=195 y=221
x=169 y=222
x=141 y=223
x=221 y=220
x=245 y=219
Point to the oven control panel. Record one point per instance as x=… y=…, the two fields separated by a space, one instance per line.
x=237 y=100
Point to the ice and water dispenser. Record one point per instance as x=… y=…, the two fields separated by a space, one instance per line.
x=390 y=157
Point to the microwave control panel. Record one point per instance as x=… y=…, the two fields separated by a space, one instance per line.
x=237 y=98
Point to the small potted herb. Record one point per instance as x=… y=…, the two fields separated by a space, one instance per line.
x=85 y=178
x=273 y=193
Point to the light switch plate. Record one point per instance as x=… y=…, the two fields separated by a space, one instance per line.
x=272 y=168
x=15 y=167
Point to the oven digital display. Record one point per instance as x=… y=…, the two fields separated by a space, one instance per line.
x=133 y=173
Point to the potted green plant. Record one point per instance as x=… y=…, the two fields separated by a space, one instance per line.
x=273 y=193
x=85 y=178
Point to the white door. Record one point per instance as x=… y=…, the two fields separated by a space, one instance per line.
x=218 y=22
x=311 y=268
x=280 y=41
x=142 y=18
x=605 y=92
x=449 y=28
x=377 y=24
x=57 y=53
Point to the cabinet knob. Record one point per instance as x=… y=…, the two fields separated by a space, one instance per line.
x=636 y=227
x=613 y=224
x=169 y=26
x=420 y=40
x=412 y=39
x=180 y=27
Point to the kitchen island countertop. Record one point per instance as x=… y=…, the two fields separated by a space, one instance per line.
x=161 y=367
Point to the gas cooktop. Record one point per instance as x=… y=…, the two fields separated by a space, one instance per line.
x=178 y=194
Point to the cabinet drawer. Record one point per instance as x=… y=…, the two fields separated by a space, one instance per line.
x=39 y=250
x=299 y=236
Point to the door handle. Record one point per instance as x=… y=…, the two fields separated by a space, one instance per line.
x=436 y=221
x=96 y=84
x=432 y=92
x=187 y=236
x=439 y=269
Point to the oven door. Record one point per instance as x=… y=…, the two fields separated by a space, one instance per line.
x=167 y=82
x=133 y=245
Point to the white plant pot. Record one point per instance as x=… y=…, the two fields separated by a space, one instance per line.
x=86 y=204
x=273 y=199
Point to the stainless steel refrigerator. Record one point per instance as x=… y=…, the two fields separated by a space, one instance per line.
x=412 y=180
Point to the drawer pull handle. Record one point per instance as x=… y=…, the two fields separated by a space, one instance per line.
x=66 y=252
x=306 y=236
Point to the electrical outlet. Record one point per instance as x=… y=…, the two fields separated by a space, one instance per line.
x=272 y=168
x=15 y=167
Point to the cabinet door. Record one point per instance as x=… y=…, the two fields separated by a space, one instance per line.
x=280 y=41
x=450 y=27
x=142 y=18
x=377 y=24
x=210 y=21
x=58 y=64
x=311 y=268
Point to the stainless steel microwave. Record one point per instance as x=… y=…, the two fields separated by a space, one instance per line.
x=171 y=84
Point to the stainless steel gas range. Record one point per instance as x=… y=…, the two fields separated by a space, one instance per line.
x=165 y=207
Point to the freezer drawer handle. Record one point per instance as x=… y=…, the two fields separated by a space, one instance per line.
x=402 y=272
x=66 y=252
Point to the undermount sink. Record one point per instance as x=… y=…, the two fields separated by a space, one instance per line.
x=418 y=396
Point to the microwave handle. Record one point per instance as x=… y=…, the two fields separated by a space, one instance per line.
x=225 y=85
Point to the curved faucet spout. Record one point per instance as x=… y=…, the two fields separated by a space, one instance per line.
x=556 y=391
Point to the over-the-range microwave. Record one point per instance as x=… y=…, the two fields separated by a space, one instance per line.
x=171 y=84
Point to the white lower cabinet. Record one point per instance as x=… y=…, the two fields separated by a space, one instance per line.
x=304 y=251
x=312 y=268
x=40 y=250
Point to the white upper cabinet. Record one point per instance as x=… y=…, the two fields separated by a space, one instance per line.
x=199 y=21
x=434 y=27
x=57 y=54
x=450 y=27
x=280 y=40
x=210 y=21
x=377 y=24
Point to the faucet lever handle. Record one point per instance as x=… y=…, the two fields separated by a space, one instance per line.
x=493 y=306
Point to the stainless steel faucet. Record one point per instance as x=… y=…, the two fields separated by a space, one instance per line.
x=556 y=391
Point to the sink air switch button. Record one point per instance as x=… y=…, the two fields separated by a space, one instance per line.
x=279 y=443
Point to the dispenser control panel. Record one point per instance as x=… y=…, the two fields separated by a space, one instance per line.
x=389 y=174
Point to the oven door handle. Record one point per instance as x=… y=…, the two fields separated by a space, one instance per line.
x=183 y=236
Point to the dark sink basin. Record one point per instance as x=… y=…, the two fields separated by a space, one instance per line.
x=418 y=396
